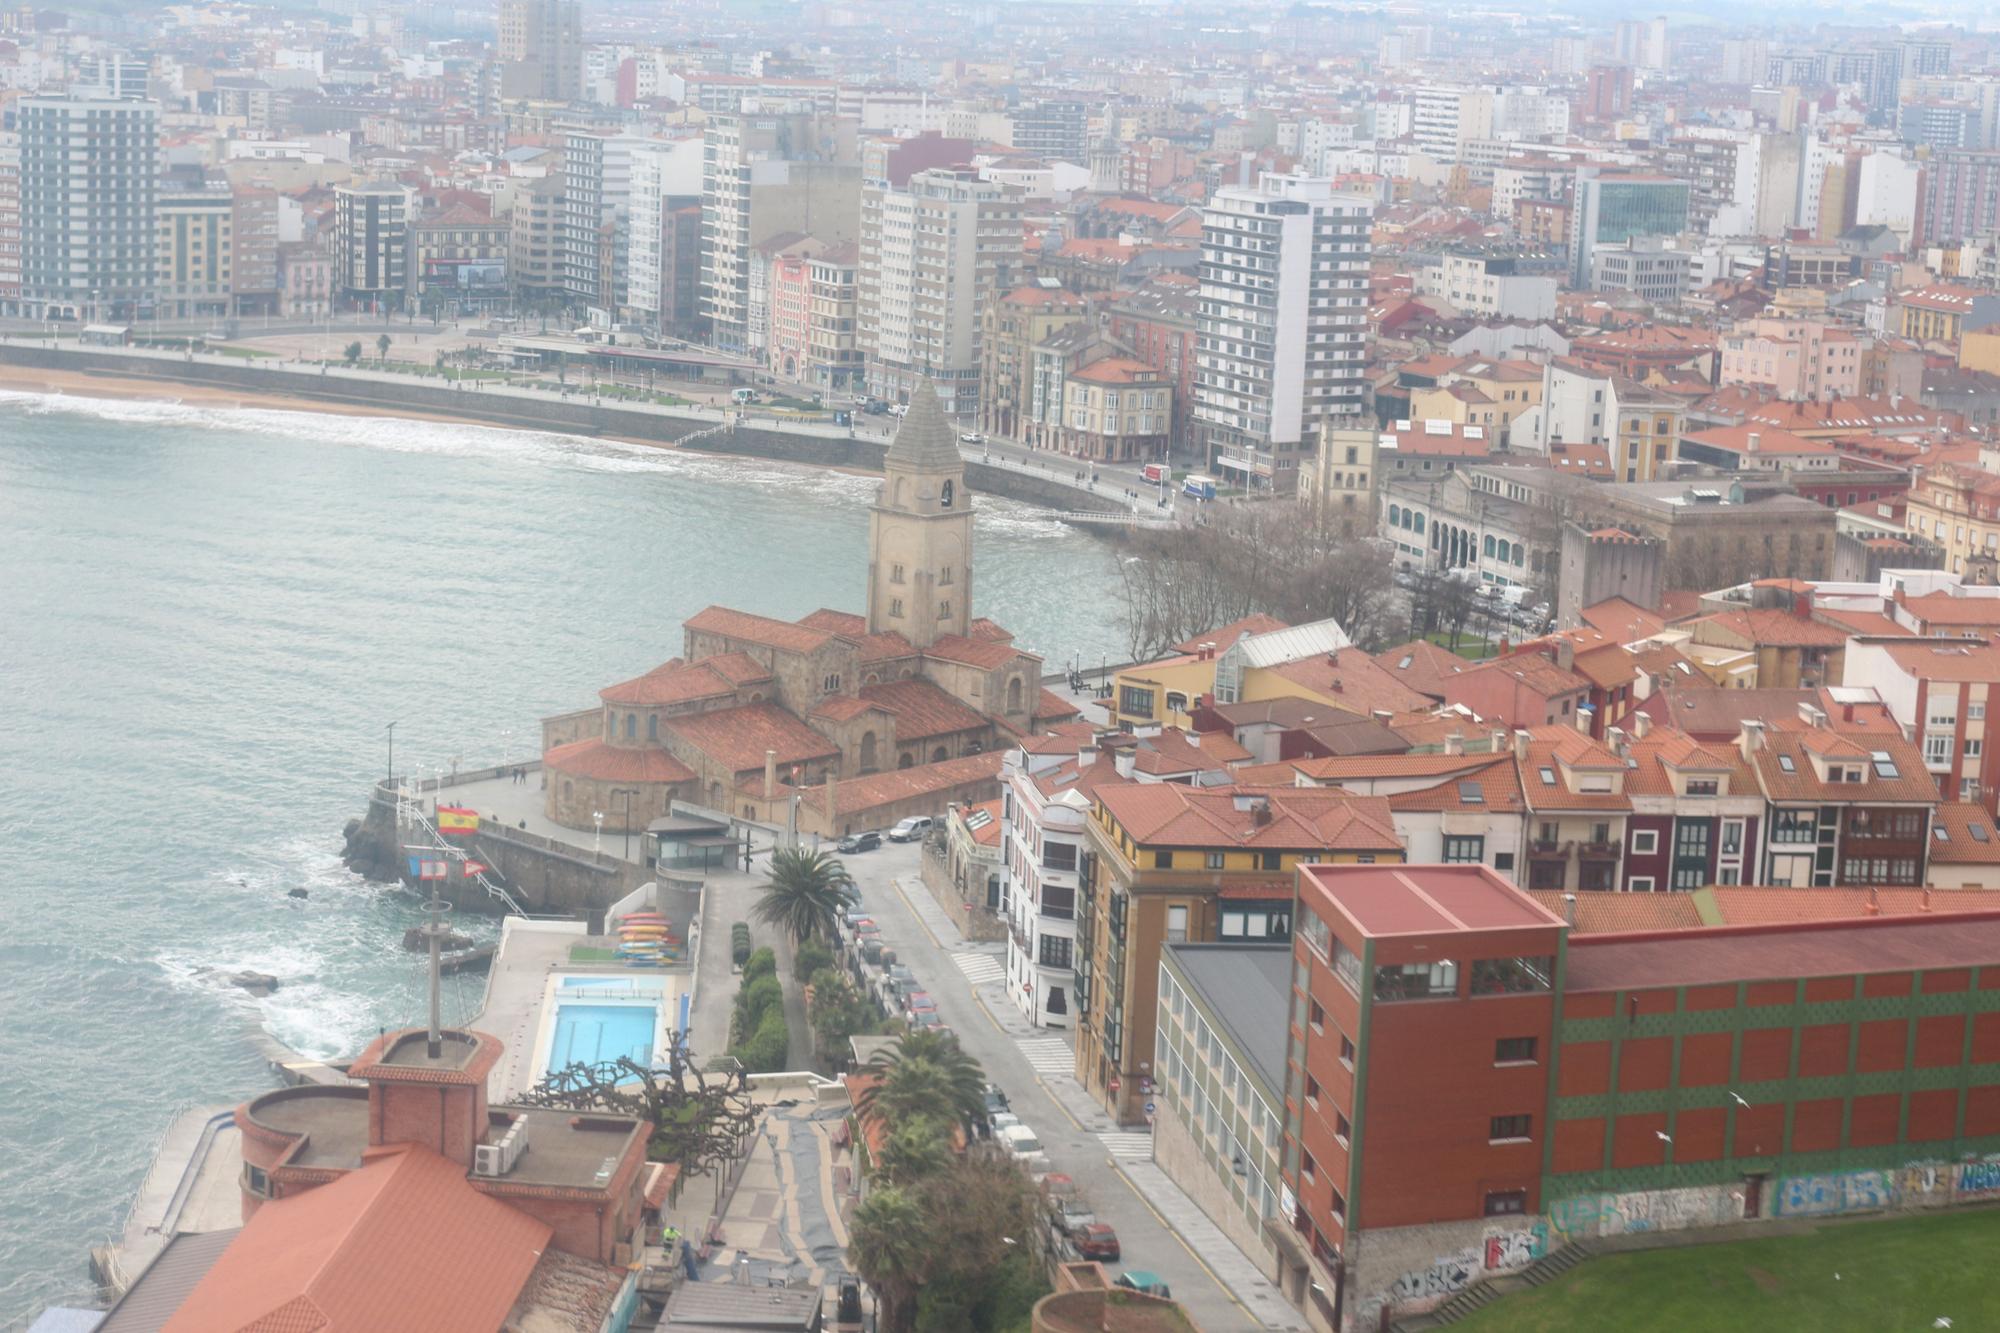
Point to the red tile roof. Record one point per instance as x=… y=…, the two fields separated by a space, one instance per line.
x=1960 y=660
x=1421 y=665
x=678 y=681
x=402 y=1242
x=1424 y=900
x=986 y=654
x=1598 y=913
x=1353 y=681
x=1166 y=814
x=1911 y=785
x=736 y=738
x=600 y=761
x=855 y=796
x=1496 y=787
x=779 y=634
x=1963 y=833
x=921 y=709
x=1052 y=707
x=1622 y=621
x=1561 y=751
x=844 y=623
x=1765 y=628
x=1941 y=608
x=1225 y=635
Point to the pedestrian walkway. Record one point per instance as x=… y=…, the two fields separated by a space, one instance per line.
x=979 y=968
x=1233 y=1268
x=1128 y=1147
x=1049 y=1057
x=942 y=928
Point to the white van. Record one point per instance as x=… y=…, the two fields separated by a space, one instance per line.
x=911 y=829
x=1022 y=1145
x=741 y=396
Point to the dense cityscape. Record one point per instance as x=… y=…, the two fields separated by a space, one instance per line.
x=1404 y=746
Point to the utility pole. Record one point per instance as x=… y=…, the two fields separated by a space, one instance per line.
x=392 y=754
x=434 y=931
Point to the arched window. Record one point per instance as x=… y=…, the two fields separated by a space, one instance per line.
x=631 y=726
x=1014 y=695
x=939 y=755
x=1517 y=553
x=1420 y=523
x=905 y=762
x=867 y=751
x=1395 y=516
x=652 y=726
x=944 y=496
x=1486 y=547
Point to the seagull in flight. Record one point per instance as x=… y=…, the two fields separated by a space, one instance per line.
x=1738 y=1099
x=1663 y=1136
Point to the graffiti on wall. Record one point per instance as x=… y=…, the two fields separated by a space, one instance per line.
x=1976 y=1178
x=1588 y=1215
x=1836 y=1192
x=1448 y=1273
x=1516 y=1249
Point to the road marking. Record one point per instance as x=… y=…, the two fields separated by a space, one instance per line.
x=1128 y=1147
x=1048 y=1056
x=897 y=885
x=979 y=968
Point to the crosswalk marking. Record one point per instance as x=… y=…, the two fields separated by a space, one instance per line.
x=1048 y=1056
x=1128 y=1147
x=979 y=968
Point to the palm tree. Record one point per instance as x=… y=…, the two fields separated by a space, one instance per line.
x=887 y=1243
x=931 y=1063
x=382 y=348
x=805 y=893
x=913 y=1151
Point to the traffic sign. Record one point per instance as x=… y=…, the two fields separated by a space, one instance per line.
x=1150 y=1108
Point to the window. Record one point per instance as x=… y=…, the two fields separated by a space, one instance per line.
x=1212 y=860
x=944 y=610
x=1268 y=860
x=1595 y=875
x=1512 y=976
x=1163 y=860
x=1976 y=710
x=1346 y=965
x=1467 y=850
x=1416 y=981
x=896 y=573
x=1136 y=702
x=1058 y=902
x=1177 y=919
x=1337 y=1205
x=1514 y=1051
x=896 y=607
x=1503 y=1128
x=1059 y=856
x=1793 y=826
x=1645 y=842
x=1974 y=747
x=1506 y=1203
x=1702 y=786
x=1341 y=1129
x=1503 y=861
x=1055 y=951
x=1317 y=1016
x=1471 y=793
x=1641 y=884
x=1312 y=1089
x=1937 y=747
x=1346 y=1051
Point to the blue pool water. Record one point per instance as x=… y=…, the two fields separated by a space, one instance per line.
x=594 y=1033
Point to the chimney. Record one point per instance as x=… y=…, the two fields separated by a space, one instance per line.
x=1565 y=653
x=1615 y=738
x=1260 y=813
x=1874 y=902
x=770 y=774
x=1812 y=715
x=832 y=802
x=1642 y=725
x=1927 y=897
x=1569 y=909
x=1499 y=740
x=1193 y=738
x=1505 y=647
x=1520 y=744
x=1847 y=712
x=1381 y=715
x=1753 y=441
x=1751 y=739
x=1454 y=744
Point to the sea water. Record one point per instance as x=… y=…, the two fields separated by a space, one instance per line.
x=209 y=617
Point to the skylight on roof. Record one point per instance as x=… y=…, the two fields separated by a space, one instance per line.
x=1885 y=767
x=1978 y=832
x=1785 y=762
x=1548 y=777
x=1471 y=793
x=1941 y=833
x=979 y=819
x=1404 y=665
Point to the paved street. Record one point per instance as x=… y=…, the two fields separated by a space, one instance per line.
x=1158 y=1228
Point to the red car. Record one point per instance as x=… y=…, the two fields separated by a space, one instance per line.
x=1096 y=1241
x=921 y=1003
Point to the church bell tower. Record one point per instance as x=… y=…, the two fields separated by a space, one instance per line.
x=920 y=531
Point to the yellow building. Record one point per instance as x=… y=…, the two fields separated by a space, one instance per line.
x=1649 y=430
x=1959 y=509
x=1980 y=351
x=1341 y=478
x=193 y=264
x=1171 y=864
x=1481 y=393
x=1156 y=694
x=1014 y=325
x=1937 y=314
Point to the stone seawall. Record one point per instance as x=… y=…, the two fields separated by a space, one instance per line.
x=808 y=447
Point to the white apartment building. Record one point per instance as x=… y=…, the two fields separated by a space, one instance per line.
x=89 y=187
x=1042 y=844
x=661 y=175
x=1281 y=324
x=1445 y=119
x=934 y=253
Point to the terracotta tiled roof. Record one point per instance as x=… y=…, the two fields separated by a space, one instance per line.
x=1859 y=622
x=1389 y=765
x=987 y=834
x=885 y=647
x=1601 y=913
x=1623 y=621
x=1538 y=673
x=1496 y=787
x=736 y=738
x=1171 y=752
x=856 y=796
x=1421 y=665
x=1052 y=707
x=984 y=653
x=1657 y=755
x=1770 y=629
x=1801 y=783
x=844 y=623
x=1352 y=680
x=600 y=761
x=402 y=1242
x=1225 y=635
x=1284 y=773
x=679 y=681
x=1551 y=749
x=922 y=709
x=845 y=708
x=1963 y=833
x=1940 y=608
x=1776 y=904
x=780 y=634
x=982 y=628
x=1961 y=660
x=1166 y=814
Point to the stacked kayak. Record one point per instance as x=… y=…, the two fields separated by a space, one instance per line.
x=646 y=940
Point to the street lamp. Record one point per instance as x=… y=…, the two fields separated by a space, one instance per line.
x=627 y=794
x=392 y=754
x=597 y=840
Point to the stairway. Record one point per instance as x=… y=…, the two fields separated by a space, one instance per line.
x=1482 y=1294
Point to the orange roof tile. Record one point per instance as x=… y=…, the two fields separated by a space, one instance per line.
x=780 y=634
x=1166 y=814
x=984 y=653
x=1495 y=787
x=1963 y=833
x=600 y=761
x=1618 y=913
x=736 y=738
x=855 y=796
x=679 y=681
x=1224 y=636
x=921 y=709
x=1623 y=621
x=1765 y=628
x=1353 y=681
x=1801 y=782
x=402 y=1242
x=844 y=623
x=1421 y=665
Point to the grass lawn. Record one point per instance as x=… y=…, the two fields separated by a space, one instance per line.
x=1893 y=1275
x=584 y=953
x=1469 y=645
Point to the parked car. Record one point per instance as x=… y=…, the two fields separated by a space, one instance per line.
x=1022 y=1145
x=927 y=1020
x=871 y=949
x=1000 y=1120
x=996 y=1101
x=920 y=1002
x=1143 y=1280
x=968 y=437
x=859 y=842
x=911 y=829
x=854 y=916
x=1095 y=1240
x=1067 y=1210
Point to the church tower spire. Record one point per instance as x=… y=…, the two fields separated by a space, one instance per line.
x=920 y=530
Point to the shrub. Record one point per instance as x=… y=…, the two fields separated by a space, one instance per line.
x=812 y=956
x=763 y=963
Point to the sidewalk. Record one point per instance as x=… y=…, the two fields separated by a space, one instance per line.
x=1130 y=1154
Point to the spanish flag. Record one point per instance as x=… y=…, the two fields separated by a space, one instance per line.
x=457 y=821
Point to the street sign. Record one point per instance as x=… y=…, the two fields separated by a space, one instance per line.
x=1150 y=1108
x=1113 y=1084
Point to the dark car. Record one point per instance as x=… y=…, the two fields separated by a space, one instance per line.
x=996 y=1101
x=1096 y=1241
x=860 y=842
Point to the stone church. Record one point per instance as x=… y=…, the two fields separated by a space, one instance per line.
x=861 y=716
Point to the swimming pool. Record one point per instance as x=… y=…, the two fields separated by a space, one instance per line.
x=598 y=1033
